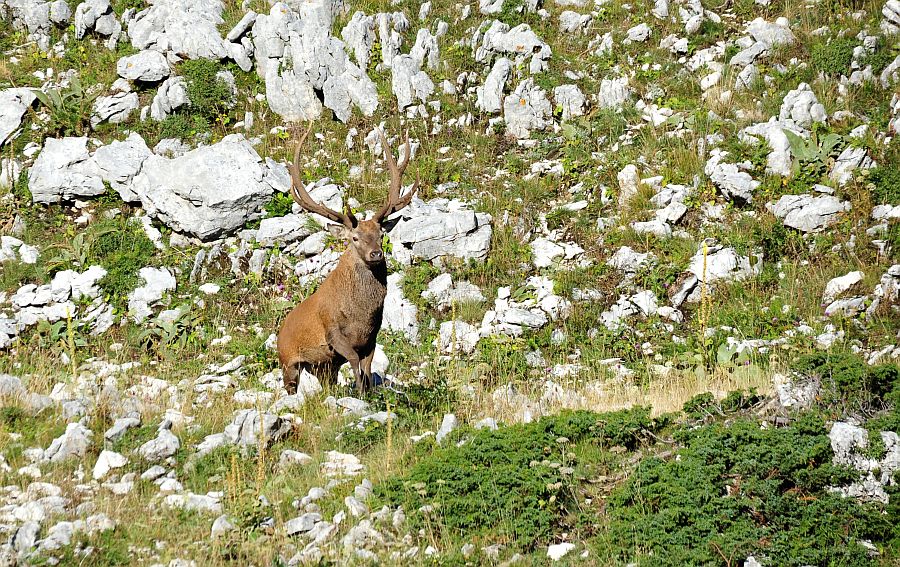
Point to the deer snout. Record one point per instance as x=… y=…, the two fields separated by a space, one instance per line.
x=376 y=255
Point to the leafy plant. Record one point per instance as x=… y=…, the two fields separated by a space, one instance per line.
x=813 y=153
x=167 y=333
x=69 y=108
x=280 y=205
x=813 y=149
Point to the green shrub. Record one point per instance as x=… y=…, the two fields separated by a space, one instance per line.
x=879 y=59
x=182 y=125
x=209 y=94
x=776 y=240
x=508 y=484
x=119 y=6
x=739 y=490
x=705 y=405
x=122 y=248
x=833 y=58
x=847 y=383
x=885 y=182
x=280 y=205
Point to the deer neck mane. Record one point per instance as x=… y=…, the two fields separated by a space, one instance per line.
x=362 y=275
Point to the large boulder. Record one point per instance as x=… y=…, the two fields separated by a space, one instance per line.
x=118 y=162
x=440 y=228
x=64 y=170
x=186 y=28
x=208 y=192
x=808 y=213
x=298 y=58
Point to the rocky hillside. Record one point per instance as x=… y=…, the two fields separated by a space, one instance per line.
x=643 y=310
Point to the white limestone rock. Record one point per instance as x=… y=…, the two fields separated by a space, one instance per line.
x=194 y=194
x=13 y=105
x=64 y=170
x=146 y=66
x=808 y=213
x=526 y=109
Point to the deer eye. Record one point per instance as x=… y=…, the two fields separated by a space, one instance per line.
x=355 y=239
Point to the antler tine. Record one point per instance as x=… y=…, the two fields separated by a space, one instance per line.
x=300 y=195
x=406 y=153
x=394 y=202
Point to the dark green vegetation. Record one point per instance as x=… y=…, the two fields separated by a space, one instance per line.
x=712 y=488
x=833 y=58
x=119 y=245
x=739 y=490
x=885 y=182
x=518 y=484
x=848 y=384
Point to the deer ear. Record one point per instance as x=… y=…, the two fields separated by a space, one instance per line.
x=338 y=231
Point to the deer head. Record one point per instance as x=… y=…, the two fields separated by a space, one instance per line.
x=364 y=238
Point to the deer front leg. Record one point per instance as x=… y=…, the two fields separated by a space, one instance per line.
x=366 y=364
x=341 y=345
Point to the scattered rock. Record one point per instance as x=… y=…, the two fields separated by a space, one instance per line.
x=13 y=105
x=557 y=551
x=247 y=425
x=526 y=109
x=107 y=461
x=157 y=282
x=808 y=213
x=440 y=228
x=146 y=66
x=448 y=424
x=164 y=446
x=71 y=444
x=839 y=285
x=802 y=106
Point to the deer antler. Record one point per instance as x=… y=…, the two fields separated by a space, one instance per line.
x=298 y=191
x=394 y=202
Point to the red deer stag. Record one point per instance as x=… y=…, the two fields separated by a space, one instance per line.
x=339 y=322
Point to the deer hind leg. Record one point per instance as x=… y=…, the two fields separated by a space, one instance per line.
x=341 y=345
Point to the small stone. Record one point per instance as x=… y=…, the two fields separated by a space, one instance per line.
x=107 y=461
x=557 y=551
x=448 y=424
